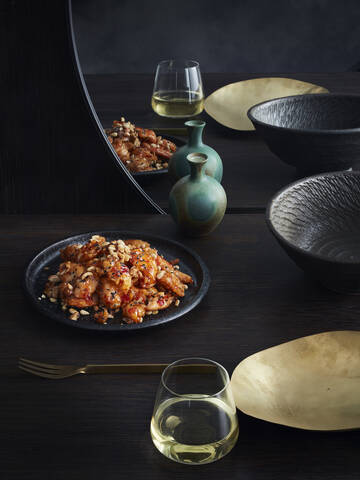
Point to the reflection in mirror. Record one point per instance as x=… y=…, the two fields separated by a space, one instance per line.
x=119 y=135
x=142 y=140
x=126 y=98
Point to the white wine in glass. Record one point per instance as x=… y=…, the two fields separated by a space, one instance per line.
x=194 y=428
x=178 y=90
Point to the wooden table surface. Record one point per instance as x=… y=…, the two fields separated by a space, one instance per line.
x=252 y=174
x=90 y=427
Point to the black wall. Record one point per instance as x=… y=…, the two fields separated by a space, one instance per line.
x=226 y=35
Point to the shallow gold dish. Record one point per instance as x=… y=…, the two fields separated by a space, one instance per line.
x=229 y=104
x=311 y=383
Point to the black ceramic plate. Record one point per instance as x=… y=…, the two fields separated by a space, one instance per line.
x=46 y=263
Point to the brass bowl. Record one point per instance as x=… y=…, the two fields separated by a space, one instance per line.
x=312 y=383
x=229 y=104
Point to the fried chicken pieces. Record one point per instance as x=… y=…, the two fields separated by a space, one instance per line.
x=119 y=275
x=139 y=148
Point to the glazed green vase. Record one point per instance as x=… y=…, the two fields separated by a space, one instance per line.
x=197 y=201
x=179 y=166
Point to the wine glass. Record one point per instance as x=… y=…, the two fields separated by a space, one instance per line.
x=194 y=419
x=178 y=90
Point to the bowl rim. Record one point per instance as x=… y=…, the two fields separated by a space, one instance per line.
x=282 y=239
x=250 y=114
x=256 y=79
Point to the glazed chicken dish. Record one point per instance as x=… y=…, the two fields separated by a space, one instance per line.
x=127 y=276
x=140 y=149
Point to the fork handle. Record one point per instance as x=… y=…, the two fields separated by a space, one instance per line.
x=126 y=368
x=147 y=368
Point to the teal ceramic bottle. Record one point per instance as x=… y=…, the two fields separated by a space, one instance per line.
x=197 y=201
x=178 y=165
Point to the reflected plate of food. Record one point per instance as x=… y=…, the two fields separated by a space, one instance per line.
x=115 y=281
x=141 y=150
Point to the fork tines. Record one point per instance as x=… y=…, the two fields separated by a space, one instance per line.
x=43 y=369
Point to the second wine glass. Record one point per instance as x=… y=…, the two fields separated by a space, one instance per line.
x=194 y=420
x=178 y=90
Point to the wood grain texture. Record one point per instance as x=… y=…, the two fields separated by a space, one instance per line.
x=252 y=174
x=98 y=426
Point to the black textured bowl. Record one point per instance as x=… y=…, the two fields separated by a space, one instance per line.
x=317 y=221
x=47 y=263
x=314 y=133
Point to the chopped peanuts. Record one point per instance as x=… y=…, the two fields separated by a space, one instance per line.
x=102 y=278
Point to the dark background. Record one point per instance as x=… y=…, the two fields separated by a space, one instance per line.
x=224 y=36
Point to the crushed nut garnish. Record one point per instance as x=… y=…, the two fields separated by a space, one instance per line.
x=86 y=274
x=140 y=149
x=97 y=238
x=108 y=267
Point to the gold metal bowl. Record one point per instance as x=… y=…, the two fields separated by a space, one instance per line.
x=229 y=104
x=311 y=383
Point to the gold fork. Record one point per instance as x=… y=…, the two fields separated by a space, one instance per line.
x=63 y=371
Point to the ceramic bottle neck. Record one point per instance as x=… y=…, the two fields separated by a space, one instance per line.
x=195 y=130
x=197 y=162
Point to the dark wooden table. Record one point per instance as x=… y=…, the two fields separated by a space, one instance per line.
x=252 y=174
x=90 y=427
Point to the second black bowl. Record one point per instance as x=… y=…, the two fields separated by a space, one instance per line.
x=317 y=222
x=314 y=133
